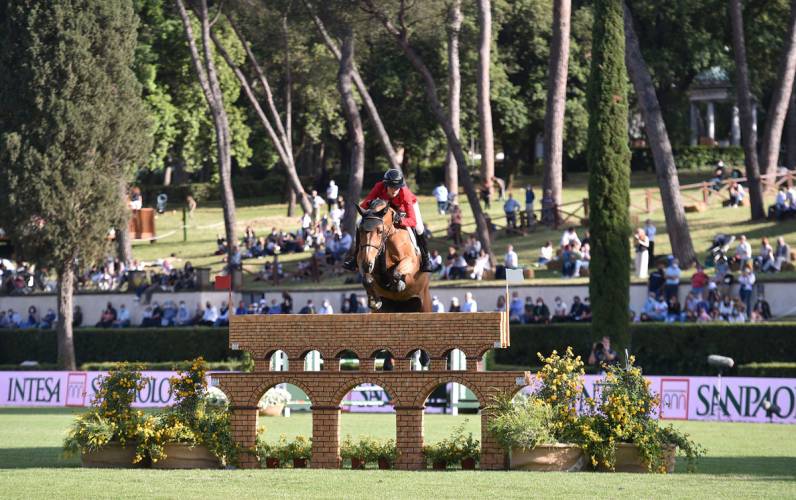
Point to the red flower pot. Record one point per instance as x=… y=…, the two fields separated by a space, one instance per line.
x=272 y=463
x=357 y=463
x=384 y=463
x=468 y=464
x=440 y=465
x=299 y=463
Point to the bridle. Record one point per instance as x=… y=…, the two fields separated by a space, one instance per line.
x=385 y=236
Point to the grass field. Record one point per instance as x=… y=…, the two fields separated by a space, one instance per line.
x=263 y=214
x=744 y=461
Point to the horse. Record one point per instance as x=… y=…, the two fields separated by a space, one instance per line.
x=389 y=264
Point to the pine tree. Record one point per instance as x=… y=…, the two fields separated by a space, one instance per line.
x=72 y=124
x=608 y=158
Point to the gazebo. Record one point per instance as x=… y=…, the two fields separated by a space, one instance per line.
x=712 y=87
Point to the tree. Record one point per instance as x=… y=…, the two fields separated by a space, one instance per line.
x=556 y=99
x=205 y=68
x=484 y=94
x=608 y=157
x=665 y=168
x=454 y=90
x=355 y=133
x=400 y=34
x=744 y=96
x=72 y=124
x=778 y=108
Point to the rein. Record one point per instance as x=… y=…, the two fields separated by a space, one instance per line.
x=384 y=238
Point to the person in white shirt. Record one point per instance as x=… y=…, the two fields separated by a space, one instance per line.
x=650 y=231
x=642 y=253
x=436 y=305
x=326 y=307
x=743 y=252
x=331 y=194
x=210 y=315
x=317 y=203
x=560 y=310
x=481 y=264
x=546 y=253
x=122 y=317
x=469 y=304
x=441 y=194
x=511 y=261
x=747 y=282
x=569 y=237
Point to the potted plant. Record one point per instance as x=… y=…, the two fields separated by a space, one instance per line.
x=438 y=454
x=273 y=402
x=360 y=453
x=111 y=432
x=273 y=454
x=386 y=453
x=464 y=448
x=300 y=450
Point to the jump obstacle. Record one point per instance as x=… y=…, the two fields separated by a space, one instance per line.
x=366 y=335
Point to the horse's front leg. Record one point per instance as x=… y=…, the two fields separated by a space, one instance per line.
x=374 y=301
x=402 y=275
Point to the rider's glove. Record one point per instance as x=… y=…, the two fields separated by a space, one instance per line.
x=399 y=216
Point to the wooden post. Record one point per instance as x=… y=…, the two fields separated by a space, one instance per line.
x=705 y=192
x=585 y=208
x=648 y=195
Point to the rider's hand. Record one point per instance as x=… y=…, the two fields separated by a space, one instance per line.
x=399 y=216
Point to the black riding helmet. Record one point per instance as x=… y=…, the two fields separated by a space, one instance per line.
x=394 y=178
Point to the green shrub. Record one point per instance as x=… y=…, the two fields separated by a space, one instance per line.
x=771 y=369
x=689 y=157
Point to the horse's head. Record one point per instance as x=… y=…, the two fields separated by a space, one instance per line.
x=375 y=228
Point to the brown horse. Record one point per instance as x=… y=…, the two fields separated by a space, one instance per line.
x=389 y=264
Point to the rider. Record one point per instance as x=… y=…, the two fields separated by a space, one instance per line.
x=394 y=191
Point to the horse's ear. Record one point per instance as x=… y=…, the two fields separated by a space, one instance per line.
x=360 y=210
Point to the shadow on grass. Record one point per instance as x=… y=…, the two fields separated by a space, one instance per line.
x=751 y=466
x=29 y=458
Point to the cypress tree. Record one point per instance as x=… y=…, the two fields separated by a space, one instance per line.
x=72 y=126
x=608 y=158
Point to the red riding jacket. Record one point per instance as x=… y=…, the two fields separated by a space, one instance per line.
x=402 y=202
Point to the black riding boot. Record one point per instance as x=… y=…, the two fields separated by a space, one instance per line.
x=350 y=262
x=425 y=264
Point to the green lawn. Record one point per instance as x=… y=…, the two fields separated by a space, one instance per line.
x=744 y=461
x=263 y=214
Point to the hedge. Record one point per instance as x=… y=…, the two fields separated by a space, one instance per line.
x=119 y=344
x=689 y=157
x=661 y=348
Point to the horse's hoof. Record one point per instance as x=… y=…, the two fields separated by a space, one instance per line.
x=400 y=286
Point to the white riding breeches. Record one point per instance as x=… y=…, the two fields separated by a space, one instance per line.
x=420 y=228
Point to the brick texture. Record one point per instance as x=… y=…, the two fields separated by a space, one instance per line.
x=401 y=334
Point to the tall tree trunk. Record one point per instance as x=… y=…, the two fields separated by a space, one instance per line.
x=278 y=135
x=744 y=94
x=454 y=90
x=362 y=89
x=556 y=100
x=124 y=247
x=779 y=101
x=665 y=169
x=208 y=80
x=608 y=157
x=790 y=144
x=291 y=201
x=484 y=93
x=63 y=330
x=401 y=38
x=355 y=132
x=288 y=86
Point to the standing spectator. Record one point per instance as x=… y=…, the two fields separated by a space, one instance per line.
x=331 y=194
x=501 y=187
x=317 y=203
x=469 y=304
x=436 y=305
x=766 y=254
x=286 y=307
x=210 y=315
x=699 y=280
x=567 y=262
x=545 y=253
x=510 y=260
x=642 y=253
x=602 y=354
x=743 y=252
x=456 y=226
x=516 y=307
x=441 y=195
x=529 y=199
x=455 y=307
x=326 y=307
x=107 y=317
x=650 y=230
x=541 y=313
x=781 y=255
x=672 y=279
x=747 y=282
x=486 y=196
x=560 y=311
x=309 y=308
x=122 y=317
x=511 y=208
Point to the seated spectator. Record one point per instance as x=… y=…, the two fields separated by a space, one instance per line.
x=33 y=318
x=77 y=317
x=586 y=316
x=472 y=249
x=516 y=307
x=718 y=177
x=436 y=305
x=500 y=305
x=221 y=245
x=655 y=308
x=737 y=194
x=49 y=319
x=456 y=266
x=169 y=316
x=780 y=256
x=510 y=260
x=657 y=279
x=699 y=280
x=122 y=317
x=241 y=309
x=743 y=252
x=738 y=314
x=569 y=237
x=527 y=311
x=482 y=263
x=726 y=308
x=602 y=354
x=107 y=317
x=455 y=306
x=703 y=316
x=435 y=261
x=560 y=311
x=209 y=316
x=275 y=307
x=546 y=253
x=541 y=313
x=469 y=304
x=577 y=310
x=692 y=303
x=308 y=309
x=183 y=315
x=582 y=258
x=287 y=303
x=780 y=207
x=511 y=208
x=674 y=312
x=223 y=315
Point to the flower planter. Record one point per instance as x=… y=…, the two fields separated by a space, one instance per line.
x=357 y=463
x=299 y=463
x=272 y=463
x=548 y=457
x=272 y=411
x=184 y=456
x=440 y=465
x=468 y=464
x=628 y=459
x=112 y=455
x=384 y=463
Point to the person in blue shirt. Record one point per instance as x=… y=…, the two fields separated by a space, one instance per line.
x=516 y=307
x=511 y=207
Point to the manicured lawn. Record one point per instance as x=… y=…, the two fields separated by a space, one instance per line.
x=262 y=215
x=744 y=461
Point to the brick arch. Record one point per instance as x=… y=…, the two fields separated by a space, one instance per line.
x=306 y=350
x=473 y=385
x=446 y=350
x=392 y=391
x=350 y=349
x=375 y=350
x=408 y=353
x=259 y=391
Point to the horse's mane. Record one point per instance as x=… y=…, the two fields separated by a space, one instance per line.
x=374 y=215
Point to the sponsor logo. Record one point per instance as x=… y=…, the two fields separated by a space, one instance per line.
x=674 y=398
x=76 y=389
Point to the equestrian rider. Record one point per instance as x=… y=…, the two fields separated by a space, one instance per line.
x=394 y=191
